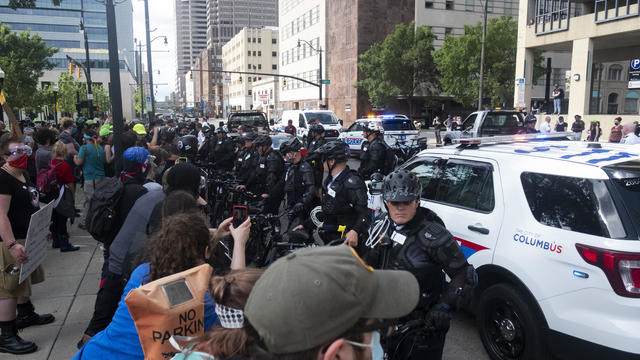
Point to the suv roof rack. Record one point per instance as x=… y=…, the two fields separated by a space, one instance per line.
x=507 y=139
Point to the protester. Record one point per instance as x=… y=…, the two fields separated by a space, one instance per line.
x=183 y=243
x=325 y=303
x=230 y=339
x=92 y=158
x=616 y=131
x=18 y=200
x=577 y=127
x=594 y=131
x=64 y=177
x=45 y=139
x=69 y=129
x=290 y=129
x=561 y=125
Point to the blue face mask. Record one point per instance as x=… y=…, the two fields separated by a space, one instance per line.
x=376 y=347
x=74 y=130
x=27 y=139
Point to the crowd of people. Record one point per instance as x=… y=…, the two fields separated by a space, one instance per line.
x=381 y=287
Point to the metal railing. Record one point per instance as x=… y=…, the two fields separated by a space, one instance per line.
x=552 y=16
x=623 y=9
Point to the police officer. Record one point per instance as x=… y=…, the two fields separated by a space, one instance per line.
x=268 y=177
x=247 y=160
x=188 y=147
x=411 y=238
x=299 y=184
x=344 y=197
x=205 y=151
x=316 y=132
x=223 y=151
x=373 y=155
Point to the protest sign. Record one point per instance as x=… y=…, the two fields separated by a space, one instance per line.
x=36 y=243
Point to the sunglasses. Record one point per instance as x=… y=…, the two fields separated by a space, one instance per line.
x=20 y=150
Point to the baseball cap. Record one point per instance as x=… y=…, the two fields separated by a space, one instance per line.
x=316 y=294
x=139 y=129
x=106 y=129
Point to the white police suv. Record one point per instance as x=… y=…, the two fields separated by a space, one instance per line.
x=396 y=128
x=553 y=228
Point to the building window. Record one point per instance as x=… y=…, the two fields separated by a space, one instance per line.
x=259 y=66
x=489 y=6
x=253 y=39
x=469 y=5
x=254 y=53
x=612 y=104
x=428 y=4
x=274 y=53
x=631 y=102
x=259 y=53
x=448 y=5
x=248 y=53
x=273 y=41
x=447 y=31
x=248 y=39
x=249 y=91
x=615 y=73
x=249 y=66
x=259 y=40
x=254 y=79
x=274 y=67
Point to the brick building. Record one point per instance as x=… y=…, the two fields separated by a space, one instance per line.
x=352 y=27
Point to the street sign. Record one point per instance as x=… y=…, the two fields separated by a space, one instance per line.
x=148 y=99
x=634 y=74
x=347 y=107
x=520 y=95
x=227 y=79
x=325 y=82
x=634 y=84
x=89 y=96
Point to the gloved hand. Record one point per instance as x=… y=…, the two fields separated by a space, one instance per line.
x=438 y=317
x=297 y=208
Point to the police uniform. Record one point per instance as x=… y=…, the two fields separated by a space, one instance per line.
x=223 y=154
x=315 y=159
x=268 y=179
x=247 y=162
x=372 y=158
x=299 y=185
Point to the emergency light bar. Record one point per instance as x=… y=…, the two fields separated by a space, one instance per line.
x=511 y=138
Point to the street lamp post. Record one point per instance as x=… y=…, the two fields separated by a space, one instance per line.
x=55 y=99
x=114 y=79
x=149 y=66
x=87 y=68
x=140 y=77
x=319 y=50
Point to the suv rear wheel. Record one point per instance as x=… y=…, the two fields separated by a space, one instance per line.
x=509 y=326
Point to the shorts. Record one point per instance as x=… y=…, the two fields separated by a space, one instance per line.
x=9 y=287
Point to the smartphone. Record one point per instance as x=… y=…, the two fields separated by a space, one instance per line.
x=239 y=215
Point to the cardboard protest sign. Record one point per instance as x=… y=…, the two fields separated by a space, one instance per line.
x=36 y=243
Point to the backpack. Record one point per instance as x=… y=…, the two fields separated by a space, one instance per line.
x=47 y=183
x=390 y=160
x=101 y=216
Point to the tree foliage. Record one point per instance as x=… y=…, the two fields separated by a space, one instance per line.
x=458 y=61
x=136 y=100
x=72 y=91
x=23 y=58
x=399 y=66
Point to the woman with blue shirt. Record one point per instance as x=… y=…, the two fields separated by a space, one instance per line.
x=92 y=158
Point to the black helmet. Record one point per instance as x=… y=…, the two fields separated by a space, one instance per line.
x=206 y=128
x=401 y=185
x=335 y=150
x=262 y=140
x=316 y=128
x=221 y=130
x=250 y=136
x=292 y=145
x=188 y=146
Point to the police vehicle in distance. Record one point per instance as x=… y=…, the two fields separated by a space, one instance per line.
x=553 y=229
x=487 y=123
x=302 y=119
x=396 y=128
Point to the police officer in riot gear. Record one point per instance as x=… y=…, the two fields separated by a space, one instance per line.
x=299 y=183
x=205 y=151
x=344 y=197
x=268 y=177
x=373 y=155
x=412 y=238
x=247 y=160
x=188 y=147
x=316 y=132
x=223 y=151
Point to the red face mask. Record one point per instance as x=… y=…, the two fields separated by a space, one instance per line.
x=20 y=163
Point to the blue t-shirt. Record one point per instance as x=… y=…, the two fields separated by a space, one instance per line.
x=93 y=165
x=120 y=339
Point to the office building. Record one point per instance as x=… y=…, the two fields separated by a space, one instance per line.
x=352 y=28
x=602 y=40
x=59 y=26
x=252 y=50
x=305 y=21
x=191 y=38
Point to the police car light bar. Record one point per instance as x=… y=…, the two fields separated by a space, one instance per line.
x=511 y=138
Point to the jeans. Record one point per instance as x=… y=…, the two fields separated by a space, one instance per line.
x=577 y=135
x=438 y=138
x=557 y=106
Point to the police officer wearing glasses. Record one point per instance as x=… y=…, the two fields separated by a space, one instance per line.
x=412 y=238
x=344 y=198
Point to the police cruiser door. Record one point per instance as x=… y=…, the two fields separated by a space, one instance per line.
x=467 y=196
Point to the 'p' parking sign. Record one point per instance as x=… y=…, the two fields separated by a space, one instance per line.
x=635 y=64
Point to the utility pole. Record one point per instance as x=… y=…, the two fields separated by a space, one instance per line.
x=140 y=78
x=114 y=78
x=87 y=68
x=149 y=66
x=484 y=45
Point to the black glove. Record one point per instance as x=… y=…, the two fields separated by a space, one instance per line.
x=297 y=208
x=438 y=317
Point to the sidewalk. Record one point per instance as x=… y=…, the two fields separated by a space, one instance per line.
x=68 y=292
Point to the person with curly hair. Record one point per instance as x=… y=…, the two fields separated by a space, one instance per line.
x=183 y=242
x=229 y=339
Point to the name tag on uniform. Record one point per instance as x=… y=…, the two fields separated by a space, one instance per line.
x=247 y=156
x=365 y=149
x=331 y=192
x=219 y=142
x=240 y=160
x=261 y=166
x=399 y=238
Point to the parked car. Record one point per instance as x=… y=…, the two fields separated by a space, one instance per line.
x=487 y=123
x=303 y=118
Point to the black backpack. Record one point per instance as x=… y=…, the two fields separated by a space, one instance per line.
x=101 y=216
x=390 y=160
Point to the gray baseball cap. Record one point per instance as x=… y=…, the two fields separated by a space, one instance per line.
x=316 y=294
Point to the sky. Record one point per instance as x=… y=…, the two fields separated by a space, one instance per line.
x=162 y=17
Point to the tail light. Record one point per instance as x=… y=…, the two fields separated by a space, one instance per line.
x=622 y=268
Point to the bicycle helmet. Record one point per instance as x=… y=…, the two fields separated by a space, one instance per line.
x=250 y=136
x=335 y=150
x=262 y=140
x=316 y=128
x=373 y=127
x=292 y=145
x=188 y=146
x=401 y=185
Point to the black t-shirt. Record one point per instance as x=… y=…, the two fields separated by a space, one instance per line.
x=24 y=202
x=561 y=127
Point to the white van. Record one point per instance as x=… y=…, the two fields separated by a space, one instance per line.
x=303 y=118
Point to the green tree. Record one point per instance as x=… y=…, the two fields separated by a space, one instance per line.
x=136 y=100
x=101 y=98
x=23 y=58
x=68 y=94
x=399 y=66
x=458 y=61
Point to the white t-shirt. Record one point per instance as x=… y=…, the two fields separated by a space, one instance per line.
x=630 y=139
x=545 y=127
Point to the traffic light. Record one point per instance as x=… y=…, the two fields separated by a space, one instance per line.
x=71 y=68
x=240 y=79
x=191 y=76
x=284 y=82
x=79 y=73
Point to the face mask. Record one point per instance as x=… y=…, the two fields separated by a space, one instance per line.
x=27 y=139
x=19 y=163
x=376 y=348
x=74 y=130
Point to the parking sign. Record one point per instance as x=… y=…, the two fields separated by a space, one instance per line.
x=634 y=74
